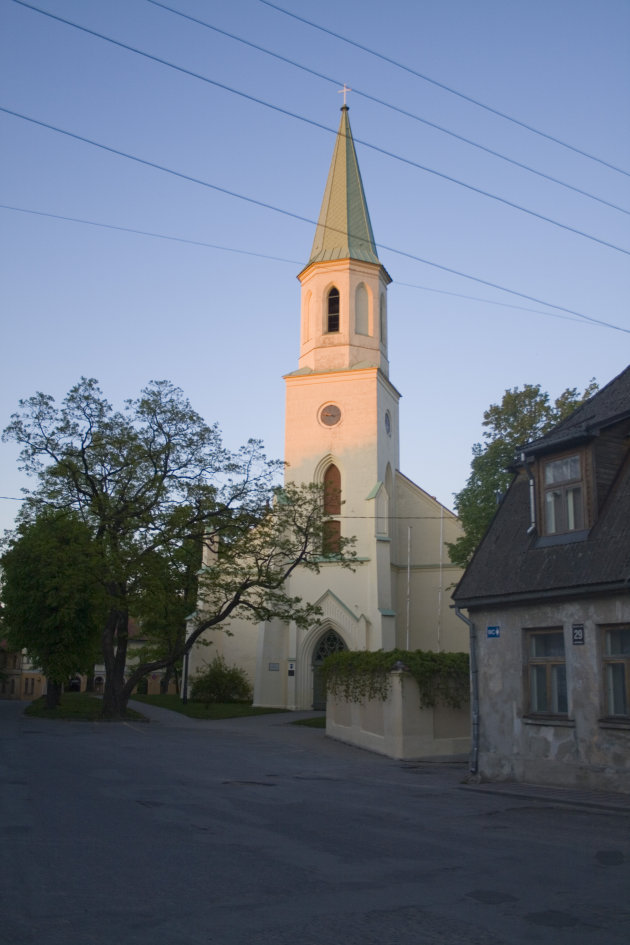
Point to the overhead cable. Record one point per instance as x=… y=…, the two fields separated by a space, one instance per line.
x=303 y=219
x=447 y=88
x=293 y=262
x=391 y=106
x=159 y=236
x=317 y=124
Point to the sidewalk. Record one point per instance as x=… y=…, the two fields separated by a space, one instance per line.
x=596 y=800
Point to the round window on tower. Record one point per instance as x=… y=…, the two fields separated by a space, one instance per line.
x=330 y=415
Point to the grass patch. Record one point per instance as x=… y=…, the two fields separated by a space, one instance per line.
x=318 y=721
x=76 y=707
x=198 y=710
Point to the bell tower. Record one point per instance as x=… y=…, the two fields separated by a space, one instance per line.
x=340 y=404
x=344 y=286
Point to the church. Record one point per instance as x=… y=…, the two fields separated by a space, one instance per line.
x=342 y=430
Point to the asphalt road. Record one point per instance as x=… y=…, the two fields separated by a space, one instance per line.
x=258 y=832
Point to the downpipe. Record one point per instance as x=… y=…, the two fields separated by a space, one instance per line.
x=474 y=692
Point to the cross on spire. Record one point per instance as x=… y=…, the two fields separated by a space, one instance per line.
x=345 y=90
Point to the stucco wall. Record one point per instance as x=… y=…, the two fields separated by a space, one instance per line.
x=398 y=727
x=585 y=750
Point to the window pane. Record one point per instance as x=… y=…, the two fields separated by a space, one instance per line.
x=618 y=642
x=547 y=644
x=333 y=310
x=617 y=697
x=538 y=689
x=562 y=470
x=552 y=511
x=559 y=701
x=575 y=519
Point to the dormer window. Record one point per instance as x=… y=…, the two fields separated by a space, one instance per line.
x=563 y=495
x=333 y=310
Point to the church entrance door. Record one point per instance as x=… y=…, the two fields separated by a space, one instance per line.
x=329 y=643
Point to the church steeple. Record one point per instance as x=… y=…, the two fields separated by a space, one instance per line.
x=344 y=230
x=344 y=284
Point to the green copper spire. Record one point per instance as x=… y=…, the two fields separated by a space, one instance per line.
x=344 y=230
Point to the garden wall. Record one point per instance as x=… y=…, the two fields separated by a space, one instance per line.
x=398 y=727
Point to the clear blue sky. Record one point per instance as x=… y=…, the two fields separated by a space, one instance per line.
x=126 y=308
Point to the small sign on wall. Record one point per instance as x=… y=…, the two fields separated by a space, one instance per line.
x=577 y=634
x=274 y=667
x=493 y=632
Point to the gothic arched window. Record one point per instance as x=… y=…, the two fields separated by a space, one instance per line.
x=332 y=491
x=332 y=506
x=333 y=310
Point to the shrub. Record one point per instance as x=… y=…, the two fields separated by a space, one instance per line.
x=221 y=683
x=358 y=675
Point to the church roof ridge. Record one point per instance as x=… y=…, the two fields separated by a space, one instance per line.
x=344 y=230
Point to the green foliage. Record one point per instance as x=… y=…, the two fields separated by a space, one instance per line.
x=213 y=711
x=221 y=683
x=52 y=602
x=359 y=675
x=318 y=722
x=75 y=707
x=522 y=416
x=169 y=587
x=157 y=489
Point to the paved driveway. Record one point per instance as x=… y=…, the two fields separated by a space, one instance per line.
x=255 y=831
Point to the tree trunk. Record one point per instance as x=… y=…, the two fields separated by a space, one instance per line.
x=53 y=694
x=166 y=678
x=115 y=638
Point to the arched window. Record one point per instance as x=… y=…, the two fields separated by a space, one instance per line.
x=329 y=643
x=331 y=544
x=333 y=310
x=332 y=491
x=361 y=322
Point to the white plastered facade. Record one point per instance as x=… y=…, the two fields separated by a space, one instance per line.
x=398 y=595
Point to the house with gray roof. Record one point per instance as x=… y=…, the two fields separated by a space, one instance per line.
x=548 y=599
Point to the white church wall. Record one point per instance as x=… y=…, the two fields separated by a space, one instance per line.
x=423 y=574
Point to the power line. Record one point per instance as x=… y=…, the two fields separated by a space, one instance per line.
x=160 y=236
x=316 y=124
x=475 y=298
x=303 y=219
x=390 y=105
x=447 y=88
x=294 y=262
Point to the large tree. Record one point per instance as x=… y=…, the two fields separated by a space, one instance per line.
x=150 y=478
x=52 y=602
x=523 y=415
x=170 y=589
